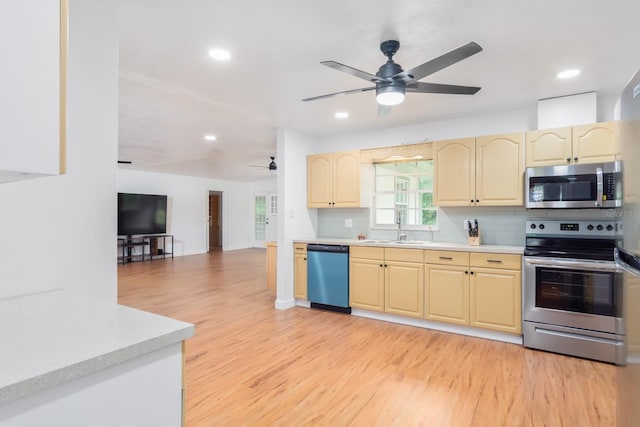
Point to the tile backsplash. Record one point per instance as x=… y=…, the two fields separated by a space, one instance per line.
x=498 y=225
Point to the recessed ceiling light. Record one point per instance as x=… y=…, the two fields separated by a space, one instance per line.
x=568 y=74
x=210 y=137
x=341 y=115
x=220 y=54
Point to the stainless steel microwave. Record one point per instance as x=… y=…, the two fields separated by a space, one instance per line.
x=595 y=185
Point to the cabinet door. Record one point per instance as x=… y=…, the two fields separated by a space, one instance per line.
x=447 y=294
x=496 y=300
x=548 y=147
x=366 y=284
x=404 y=288
x=272 y=260
x=300 y=275
x=500 y=170
x=454 y=172
x=346 y=179
x=594 y=143
x=33 y=42
x=319 y=181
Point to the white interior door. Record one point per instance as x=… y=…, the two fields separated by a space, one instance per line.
x=265 y=211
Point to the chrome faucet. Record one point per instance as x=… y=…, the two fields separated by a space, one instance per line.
x=401 y=235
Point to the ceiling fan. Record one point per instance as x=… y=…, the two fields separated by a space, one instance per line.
x=272 y=166
x=391 y=81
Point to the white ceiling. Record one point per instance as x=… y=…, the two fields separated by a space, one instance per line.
x=172 y=93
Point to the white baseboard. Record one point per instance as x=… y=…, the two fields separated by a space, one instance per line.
x=285 y=304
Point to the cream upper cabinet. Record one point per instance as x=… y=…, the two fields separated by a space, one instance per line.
x=485 y=171
x=500 y=170
x=387 y=279
x=548 y=147
x=578 y=144
x=333 y=180
x=595 y=143
x=300 y=270
x=454 y=172
x=495 y=292
x=33 y=101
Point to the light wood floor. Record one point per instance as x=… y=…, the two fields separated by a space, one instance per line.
x=252 y=365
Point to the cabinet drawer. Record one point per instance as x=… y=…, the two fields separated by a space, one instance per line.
x=506 y=261
x=405 y=255
x=447 y=257
x=300 y=248
x=371 y=252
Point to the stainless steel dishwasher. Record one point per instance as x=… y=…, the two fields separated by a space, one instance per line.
x=328 y=277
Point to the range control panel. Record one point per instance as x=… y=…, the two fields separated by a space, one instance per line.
x=583 y=228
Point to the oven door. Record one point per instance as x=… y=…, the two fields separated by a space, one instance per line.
x=575 y=293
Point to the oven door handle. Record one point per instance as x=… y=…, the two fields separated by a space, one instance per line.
x=572 y=264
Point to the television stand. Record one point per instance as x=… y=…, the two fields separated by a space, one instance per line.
x=127 y=248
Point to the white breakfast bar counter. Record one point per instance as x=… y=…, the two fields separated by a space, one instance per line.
x=72 y=360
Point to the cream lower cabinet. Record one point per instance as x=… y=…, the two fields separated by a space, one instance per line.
x=496 y=292
x=477 y=289
x=387 y=279
x=300 y=270
x=366 y=278
x=447 y=286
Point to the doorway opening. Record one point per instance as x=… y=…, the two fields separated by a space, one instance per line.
x=265 y=220
x=215 y=220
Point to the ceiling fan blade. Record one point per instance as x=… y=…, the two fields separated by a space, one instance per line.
x=383 y=110
x=422 y=87
x=353 y=71
x=347 y=92
x=258 y=166
x=437 y=64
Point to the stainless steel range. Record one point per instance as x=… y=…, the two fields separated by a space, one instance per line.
x=573 y=289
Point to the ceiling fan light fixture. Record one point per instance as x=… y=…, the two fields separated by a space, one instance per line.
x=390 y=95
x=341 y=115
x=272 y=165
x=219 y=54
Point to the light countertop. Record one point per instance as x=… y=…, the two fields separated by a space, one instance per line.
x=54 y=337
x=461 y=247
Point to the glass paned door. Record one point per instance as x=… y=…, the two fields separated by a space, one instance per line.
x=265 y=222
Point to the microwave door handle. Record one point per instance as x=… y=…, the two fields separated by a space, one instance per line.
x=599 y=186
x=627 y=261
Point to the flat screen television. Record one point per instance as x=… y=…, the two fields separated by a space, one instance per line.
x=141 y=214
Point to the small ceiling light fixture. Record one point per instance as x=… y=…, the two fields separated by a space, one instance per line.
x=568 y=74
x=341 y=115
x=219 y=54
x=390 y=95
x=210 y=138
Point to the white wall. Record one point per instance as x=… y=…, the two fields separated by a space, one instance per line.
x=295 y=221
x=58 y=232
x=188 y=199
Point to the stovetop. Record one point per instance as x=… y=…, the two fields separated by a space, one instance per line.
x=585 y=239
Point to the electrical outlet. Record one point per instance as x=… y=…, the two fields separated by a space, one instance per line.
x=348 y=223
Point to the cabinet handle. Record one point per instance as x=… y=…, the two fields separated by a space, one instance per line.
x=381 y=265
x=446 y=258
x=477 y=201
x=305 y=259
x=471 y=200
x=495 y=261
x=471 y=272
x=329 y=203
x=466 y=272
x=568 y=159
x=386 y=265
x=575 y=159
